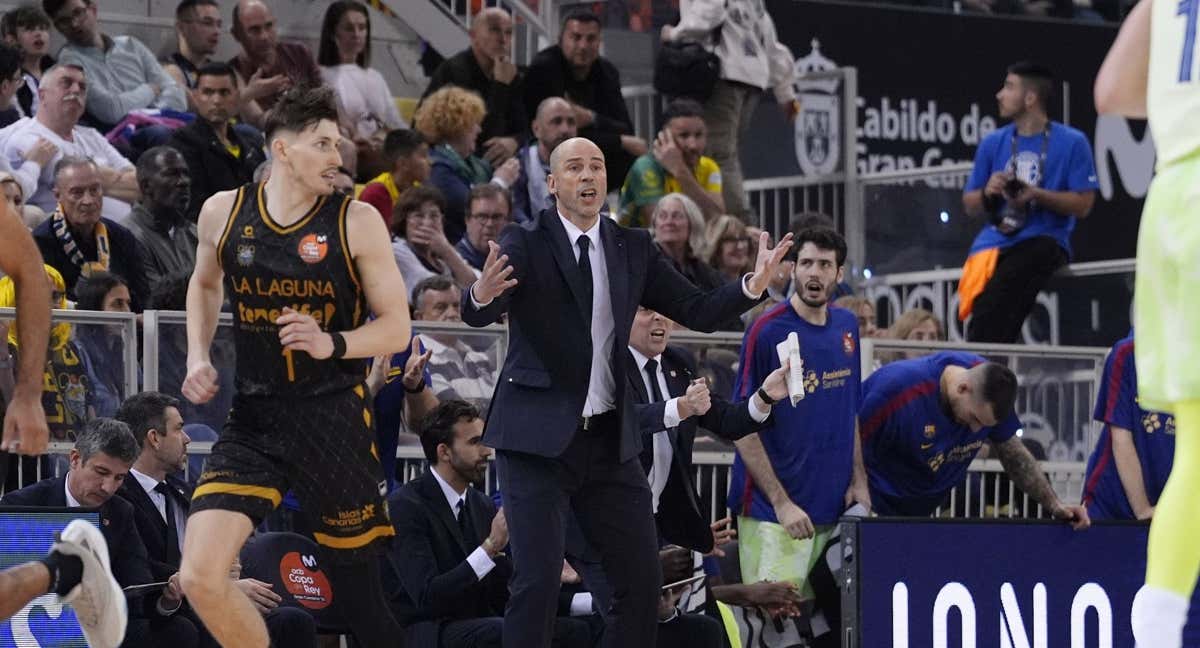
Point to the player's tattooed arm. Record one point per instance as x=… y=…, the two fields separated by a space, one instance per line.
x=1023 y=470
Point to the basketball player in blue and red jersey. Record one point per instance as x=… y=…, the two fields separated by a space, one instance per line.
x=792 y=480
x=925 y=419
x=1132 y=460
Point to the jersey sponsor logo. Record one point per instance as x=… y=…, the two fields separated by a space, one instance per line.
x=848 y=343
x=811 y=381
x=248 y=231
x=285 y=287
x=303 y=579
x=930 y=431
x=245 y=254
x=1155 y=422
x=313 y=248
x=926 y=446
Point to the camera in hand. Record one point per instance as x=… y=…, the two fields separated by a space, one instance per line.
x=1011 y=218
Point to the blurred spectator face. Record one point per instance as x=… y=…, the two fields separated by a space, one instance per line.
x=416 y=165
x=671 y=223
x=1011 y=97
x=257 y=34
x=201 y=30
x=9 y=86
x=555 y=123
x=216 y=98
x=651 y=332
x=488 y=215
x=33 y=40
x=464 y=142
x=344 y=183
x=13 y=194
x=691 y=136
x=350 y=35
x=866 y=320
x=491 y=34
x=63 y=94
x=925 y=331
x=77 y=22
x=117 y=300
x=816 y=274
x=169 y=187
x=579 y=181
x=172 y=441
x=94 y=481
x=734 y=255
x=439 y=306
x=80 y=193
x=422 y=224
x=468 y=456
x=313 y=157
x=580 y=42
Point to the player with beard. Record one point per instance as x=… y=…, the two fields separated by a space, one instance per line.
x=302 y=266
x=792 y=480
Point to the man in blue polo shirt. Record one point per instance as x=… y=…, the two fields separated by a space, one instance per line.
x=925 y=419
x=1032 y=179
x=792 y=480
x=1132 y=460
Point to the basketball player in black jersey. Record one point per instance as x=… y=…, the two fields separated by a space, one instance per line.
x=302 y=267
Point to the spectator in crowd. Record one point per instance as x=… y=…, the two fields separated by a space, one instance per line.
x=365 y=105
x=729 y=249
x=553 y=124
x=400 y=386
x=265 y=66
x=122 y=72
x=676 y=164
x=458 y=371
x=160 y=501
x=451 y=573
x=915 y=325
x=159 y=220
x=864 y=310
x=923 y=422
x=792 y=481
x=36 y=146
x=449 y=120
x=486 y=68
x=1032 y=179
x=419 y=243
x=28 y=29
x=219 y=156
x=677 y=227
x=488 y=211
x=574 y=70
x=1132 y=459
x=100 y=346
x=14 y=195
x=197 y=35
x=99 y=462
x=77 y=240
x=343 y=181
x=65 y=395
x=752 y=60
x=406 y=157
x=11 y=80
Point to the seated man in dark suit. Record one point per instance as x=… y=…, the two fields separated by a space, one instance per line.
x=160 y=503
x=103 y=454
x=452 y=575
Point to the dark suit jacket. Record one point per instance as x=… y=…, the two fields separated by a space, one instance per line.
x=505 y=102
x=679 y=518
x=151 y=526
x=542 y=387
x=126 y=553
x=550 y=75
x=436 y=584
x=212 y=167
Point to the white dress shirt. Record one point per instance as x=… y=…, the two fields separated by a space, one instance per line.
x=71 y=501
x=479 y=560
x=160 y=501
x=663 y=452
x=602 y=389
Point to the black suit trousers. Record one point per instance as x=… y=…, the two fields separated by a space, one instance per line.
x=611 y=501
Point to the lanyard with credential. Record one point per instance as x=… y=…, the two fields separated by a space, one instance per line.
x=1012 y=160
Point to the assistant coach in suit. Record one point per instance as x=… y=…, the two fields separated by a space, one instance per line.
x=564 y=427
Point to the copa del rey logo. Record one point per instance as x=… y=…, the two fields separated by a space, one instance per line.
x=818 y=126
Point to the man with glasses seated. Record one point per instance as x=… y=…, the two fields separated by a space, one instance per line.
x=197 y=35
x=489 y=209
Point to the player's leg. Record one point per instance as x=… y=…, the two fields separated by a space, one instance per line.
x=214 y=538
x=21 y=584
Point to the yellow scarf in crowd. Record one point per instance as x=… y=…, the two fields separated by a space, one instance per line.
x=60 y=333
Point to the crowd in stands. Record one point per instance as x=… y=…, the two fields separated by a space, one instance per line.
x=112 y=195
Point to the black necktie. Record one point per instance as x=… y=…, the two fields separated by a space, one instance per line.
x=464 y=523
x=173 y=554
x=585 y=273
x=656 y=396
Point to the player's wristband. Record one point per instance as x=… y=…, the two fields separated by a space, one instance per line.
x=762 y=393
x=339 y=346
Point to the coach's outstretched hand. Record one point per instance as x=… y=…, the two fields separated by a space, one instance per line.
x=768 y=261
x=494 y=279
x=201 y=383
x=1075 y=514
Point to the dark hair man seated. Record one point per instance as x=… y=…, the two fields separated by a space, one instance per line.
x=448 y=564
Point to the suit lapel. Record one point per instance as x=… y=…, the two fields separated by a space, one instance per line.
x=431 y=491
x=141 y=499
x=564 y=256
x=636 y=380
x=616 y=256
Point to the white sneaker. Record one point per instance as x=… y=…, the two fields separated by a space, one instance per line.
x=98 y=601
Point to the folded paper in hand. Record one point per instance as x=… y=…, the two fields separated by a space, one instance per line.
x=789 y=352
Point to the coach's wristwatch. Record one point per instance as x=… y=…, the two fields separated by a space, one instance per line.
x=762 y=393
